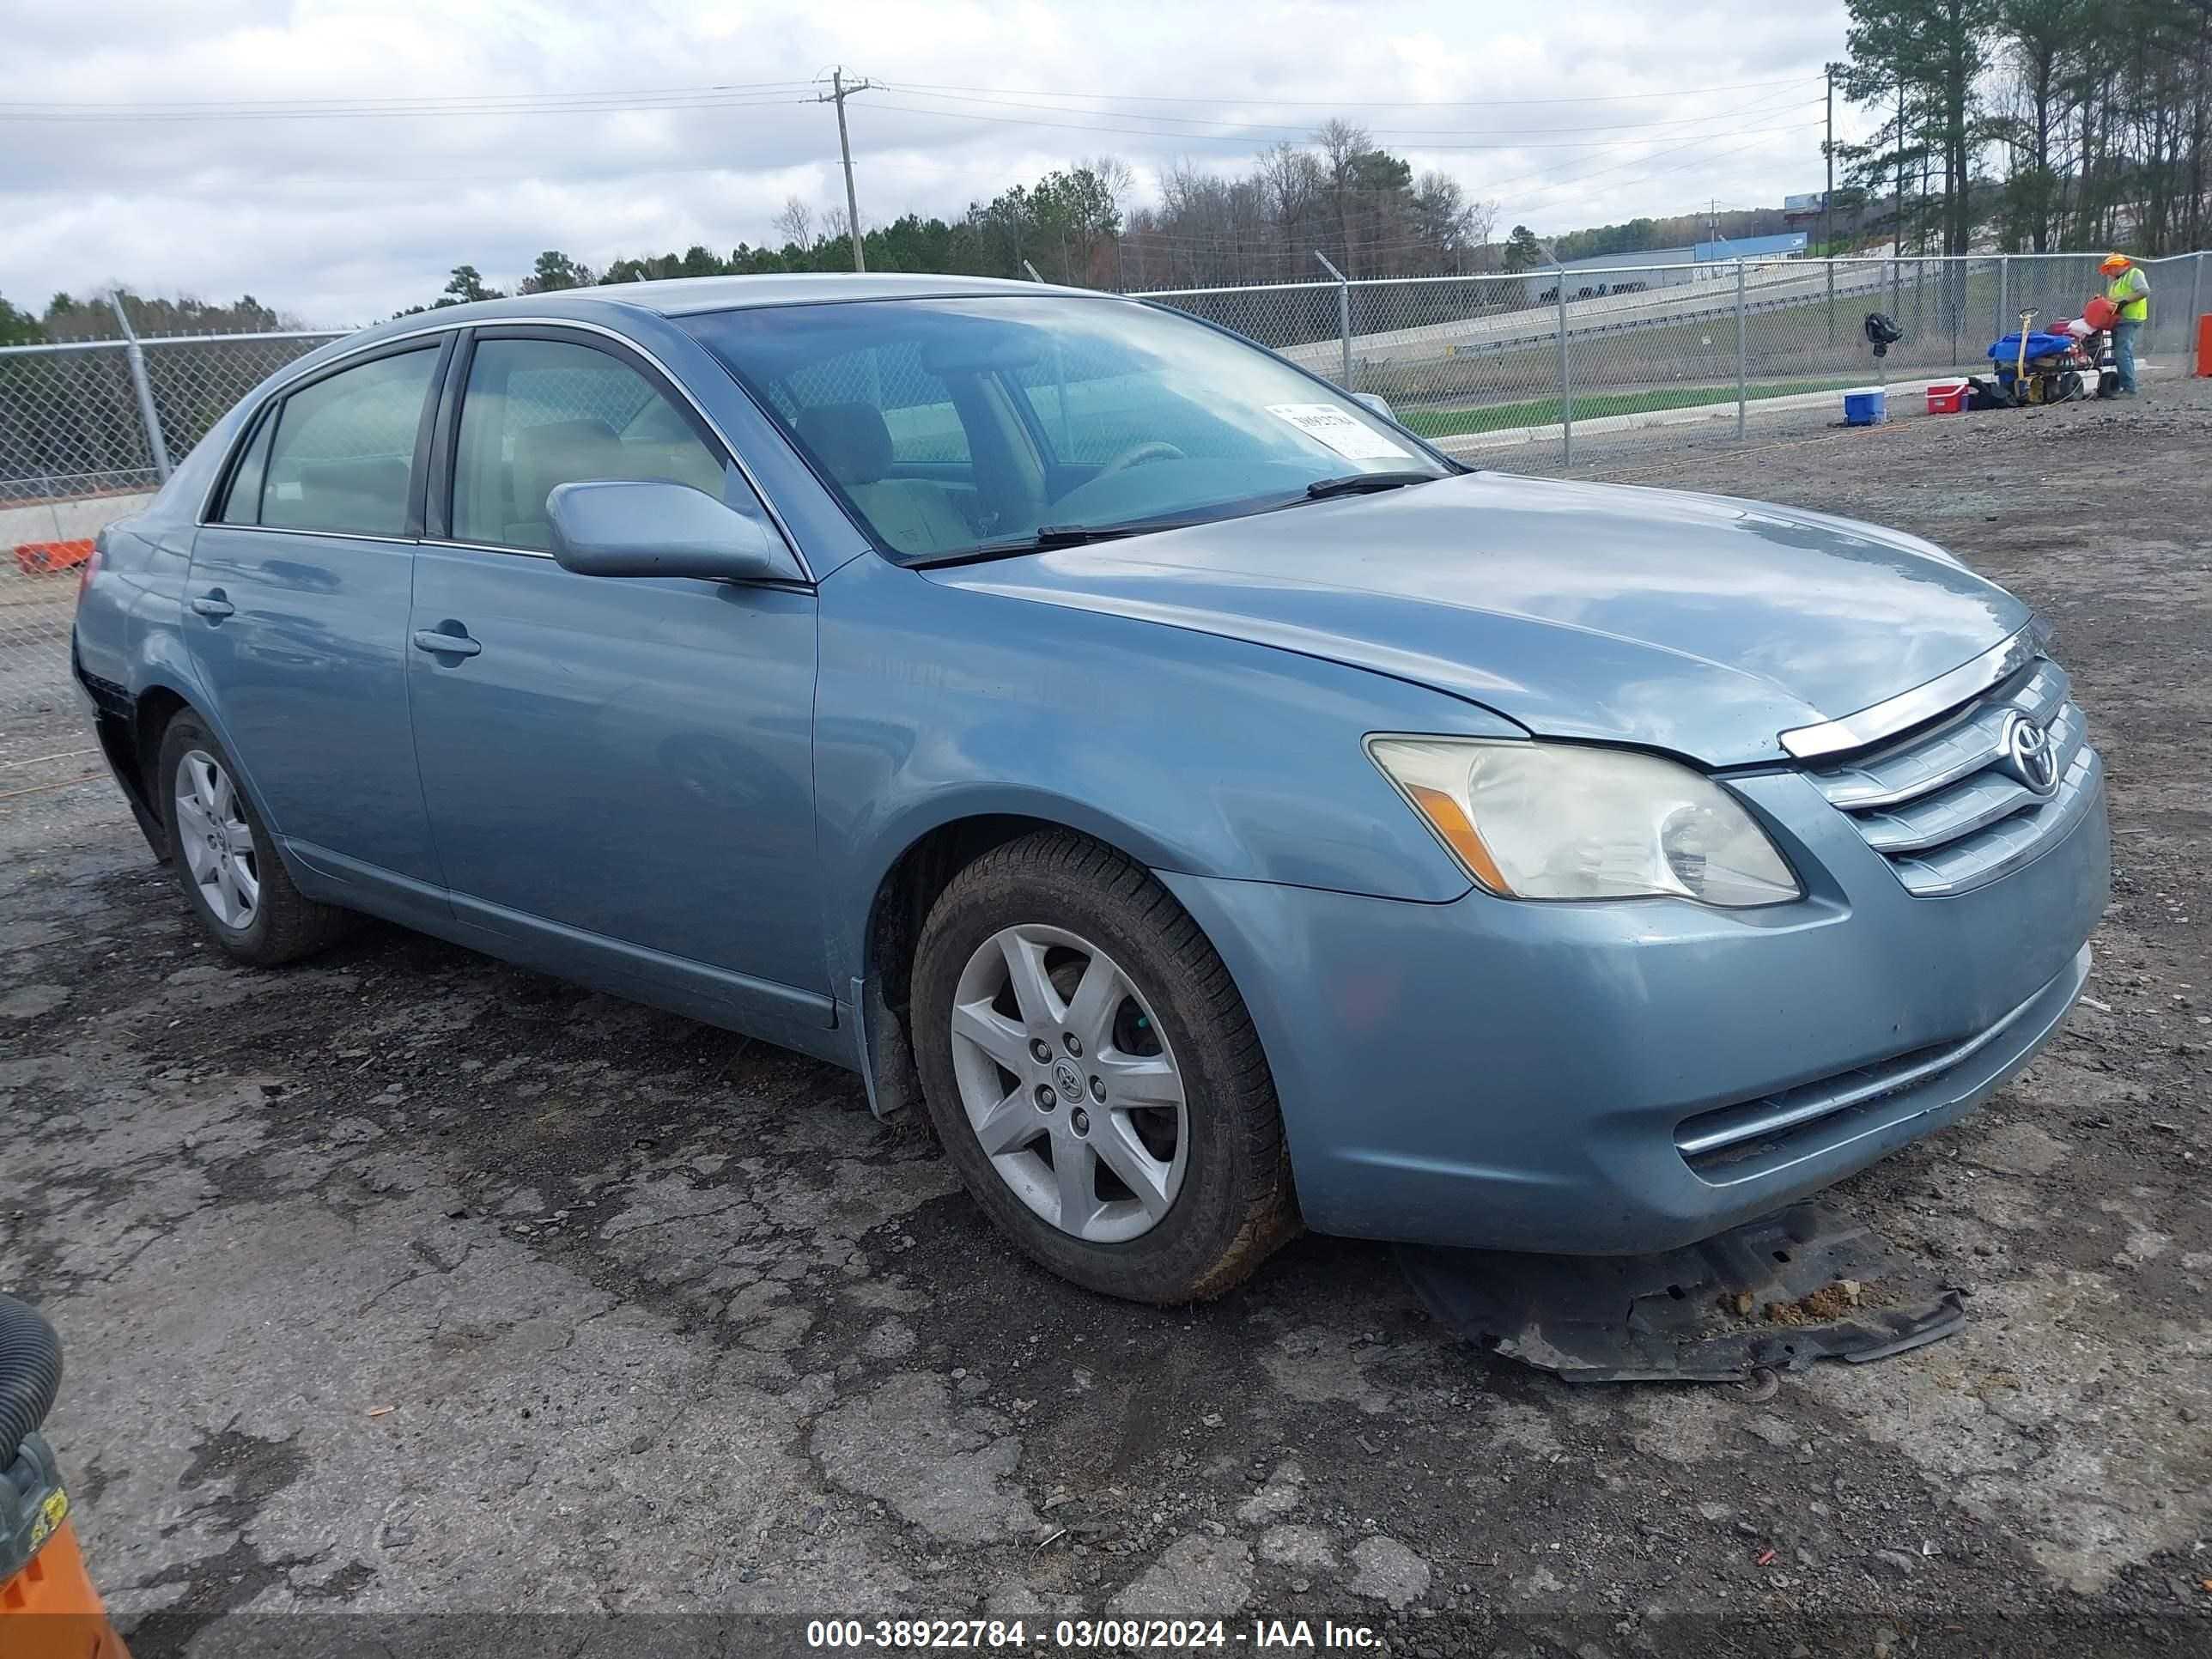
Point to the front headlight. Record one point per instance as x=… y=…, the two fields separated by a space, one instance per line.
x=1556 y=821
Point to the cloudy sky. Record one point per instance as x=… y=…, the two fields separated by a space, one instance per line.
x=336 y=157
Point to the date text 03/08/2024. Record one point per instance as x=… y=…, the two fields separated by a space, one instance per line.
x=1125 y=1634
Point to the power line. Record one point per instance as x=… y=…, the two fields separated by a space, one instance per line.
x=228 y=178
x=1305 y=130
x=355 y=101
x=783 y=94
x=1238 y=137
x=1354 y=103
x=1624 y=183
x=539 y=104
x=1637 y=161
x=723 y=94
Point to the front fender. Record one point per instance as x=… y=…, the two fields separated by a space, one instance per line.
x=1189 y=752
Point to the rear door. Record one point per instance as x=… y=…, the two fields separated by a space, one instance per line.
x=297 y=611
x=619 y=771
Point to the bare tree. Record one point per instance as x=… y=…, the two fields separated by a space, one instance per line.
x=795 y=222
x=1197 y=220
x=1339 y=195
x=1443 y=221
x=1291 y=184
x=1116 y=178
x=1341 y=145
x=1481 y=226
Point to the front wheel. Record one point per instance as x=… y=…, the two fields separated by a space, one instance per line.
x=229 y=867
x=1093 y=1075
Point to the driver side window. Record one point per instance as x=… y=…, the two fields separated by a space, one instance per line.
x=539 y=413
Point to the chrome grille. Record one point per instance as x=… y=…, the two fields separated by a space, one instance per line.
x=1939 y=804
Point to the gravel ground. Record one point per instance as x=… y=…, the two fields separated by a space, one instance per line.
x=404 y=1282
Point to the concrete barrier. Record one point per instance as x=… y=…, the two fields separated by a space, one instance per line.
x=66 y=521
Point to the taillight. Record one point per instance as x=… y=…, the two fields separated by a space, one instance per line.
x=88 y=570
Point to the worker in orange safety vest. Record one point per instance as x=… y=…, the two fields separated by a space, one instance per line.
x=2128 y=290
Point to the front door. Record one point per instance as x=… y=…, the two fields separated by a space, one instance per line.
x=296 y=620
x=619 y=771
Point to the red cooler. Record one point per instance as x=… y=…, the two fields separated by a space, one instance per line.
x=1946 y=398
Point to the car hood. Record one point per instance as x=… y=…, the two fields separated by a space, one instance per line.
x=1696 y=624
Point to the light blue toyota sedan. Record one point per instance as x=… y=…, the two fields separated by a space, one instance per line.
x=1219 y=811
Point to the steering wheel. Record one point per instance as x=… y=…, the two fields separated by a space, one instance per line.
x=1146 y=449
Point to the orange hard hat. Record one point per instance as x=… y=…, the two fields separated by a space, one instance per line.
x=2115 y=262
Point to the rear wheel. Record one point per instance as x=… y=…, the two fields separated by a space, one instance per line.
x=224 y=859
x=1094 y=1076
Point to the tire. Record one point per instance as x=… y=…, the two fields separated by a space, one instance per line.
x=278 y=926
x=1217 y=1198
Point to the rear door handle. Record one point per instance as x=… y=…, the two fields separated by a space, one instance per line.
x=213 y=605
x=438 y=642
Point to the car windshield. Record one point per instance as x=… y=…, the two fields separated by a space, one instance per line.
x=957 y=427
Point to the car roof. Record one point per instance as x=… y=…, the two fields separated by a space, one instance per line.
x=683 y=295
x=678 y=296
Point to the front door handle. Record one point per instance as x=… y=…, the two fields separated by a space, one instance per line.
x=438 y=642
x=213 y=605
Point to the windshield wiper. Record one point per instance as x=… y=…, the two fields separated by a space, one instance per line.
x=1364 y=483
x=1046 y=538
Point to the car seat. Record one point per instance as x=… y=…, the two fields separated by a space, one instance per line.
x=853 y=444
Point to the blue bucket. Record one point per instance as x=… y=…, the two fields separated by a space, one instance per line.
x=1868 y=406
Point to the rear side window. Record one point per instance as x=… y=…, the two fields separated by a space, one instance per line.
x=343 y=450
x=242 y=504
x=540 y=413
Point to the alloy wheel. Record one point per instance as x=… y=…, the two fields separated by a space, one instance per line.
x=1069 y=1082
x=215 y=841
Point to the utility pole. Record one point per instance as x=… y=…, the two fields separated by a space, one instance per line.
x=1828 y=149
x=1828 y=205
x=1897 y=244
x=838 y=93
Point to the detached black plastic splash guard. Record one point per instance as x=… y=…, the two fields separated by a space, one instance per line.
x=1806 y=1283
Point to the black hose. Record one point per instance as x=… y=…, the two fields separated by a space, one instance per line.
x=30 y=1374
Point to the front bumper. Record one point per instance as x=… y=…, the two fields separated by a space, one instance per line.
x=1558 y=1077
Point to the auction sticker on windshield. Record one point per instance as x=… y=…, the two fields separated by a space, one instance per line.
x=1353 y=440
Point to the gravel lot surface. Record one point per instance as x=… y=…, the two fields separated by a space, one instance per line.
x=404 y=1282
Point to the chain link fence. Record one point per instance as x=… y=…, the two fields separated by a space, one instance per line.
x=88 y=432
x=1551 y=370
x=1558 y=369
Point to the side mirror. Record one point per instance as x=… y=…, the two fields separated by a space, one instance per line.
x=617 y=527
x=1375 y=401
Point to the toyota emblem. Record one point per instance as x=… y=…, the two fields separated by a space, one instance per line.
x=2028 y=754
